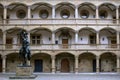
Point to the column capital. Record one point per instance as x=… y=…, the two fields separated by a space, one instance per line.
x=76 y=56
x=97 y=57
x=97 y=7
x=53 y=56
x=5 y=7
x=4 y=56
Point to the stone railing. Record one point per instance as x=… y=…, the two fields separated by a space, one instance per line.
x=58 y=21
x=62 y=46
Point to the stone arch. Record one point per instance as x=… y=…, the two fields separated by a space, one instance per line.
x=65 y=3
x=107 y=3
x=64 y=62
x=40 y=28
x=108 y=62
x=65 y=10
x=42 y=3
x=12 y=61
x=108 y=36
x=64 y=28
x=17 y=3
x=87 y=62
x=87 y=35
x=41 y=62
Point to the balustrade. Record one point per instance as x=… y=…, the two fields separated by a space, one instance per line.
x=63 y=46
x=59 y=21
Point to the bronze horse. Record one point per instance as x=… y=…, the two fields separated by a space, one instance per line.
x=24 y=52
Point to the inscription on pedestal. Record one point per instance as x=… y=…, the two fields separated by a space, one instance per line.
x=23 y=71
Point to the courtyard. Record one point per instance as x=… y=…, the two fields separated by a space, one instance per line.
x=68 y=76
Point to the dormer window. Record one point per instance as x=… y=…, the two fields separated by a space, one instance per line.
x=21 y=14
x=84 y=14
x=65 y=14
x=43 y=14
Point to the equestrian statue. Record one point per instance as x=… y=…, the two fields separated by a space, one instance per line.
x=24 y=52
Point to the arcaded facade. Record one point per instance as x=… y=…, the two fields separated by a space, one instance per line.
x=66 y=36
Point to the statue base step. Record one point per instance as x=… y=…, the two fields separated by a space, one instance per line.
x=24 y=71
x=32 y=77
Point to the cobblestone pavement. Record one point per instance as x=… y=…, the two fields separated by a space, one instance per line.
x=69 y=76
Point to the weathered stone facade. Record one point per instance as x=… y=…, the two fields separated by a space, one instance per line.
x=70 y=36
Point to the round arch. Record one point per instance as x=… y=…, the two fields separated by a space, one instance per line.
x=42 y=3
x=112 y=53
x=107 y=28
x=17 y=3
x=40 y=28
x=64 y=28
x=108 y=62
x=107 y=3
x=87 y=4
x=39 y=53
x=41 y=62
x=65 y=3
x=64 y=52
x=91 y=53
x=87 y=62
x=110 y=6
x=65 y=62
x=87 y=28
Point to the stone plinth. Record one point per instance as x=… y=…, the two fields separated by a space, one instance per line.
x=23 y=71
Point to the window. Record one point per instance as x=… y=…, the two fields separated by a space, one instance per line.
x=103 y=14
x=36 y=40
x=92 y=39
x=21 y=14
x=43 y=14
x=65 y=14
x=84 y=14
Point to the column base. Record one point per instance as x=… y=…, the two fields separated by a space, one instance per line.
x=53 y=70
x=118 y=70
x=76 y=70
x=97 y=70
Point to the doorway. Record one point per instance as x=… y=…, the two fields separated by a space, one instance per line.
x=65 y=43
x=94 y=65
x=38 y=65
x=65 y=65
x=0 y=65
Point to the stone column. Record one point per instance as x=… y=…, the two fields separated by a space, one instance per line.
x=97 y=38
x=53 y=12
x=3 y=63
x=53 y=37
x=97 y=64
x=118 y=39
x=29 y=14
x=76 y=12
x=76 y=64
x=117 y=14
x=97 y=13
x=5 y=14
x=76 y=37
x=53 y=64
x=118 y=64
x=4 y=39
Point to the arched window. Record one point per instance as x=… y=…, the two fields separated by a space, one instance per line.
x=103 y=14
x=65 y=14
x=43 y=14
x=21 y=14
x=84 y=14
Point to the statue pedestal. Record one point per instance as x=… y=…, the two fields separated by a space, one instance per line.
x=23 y=73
